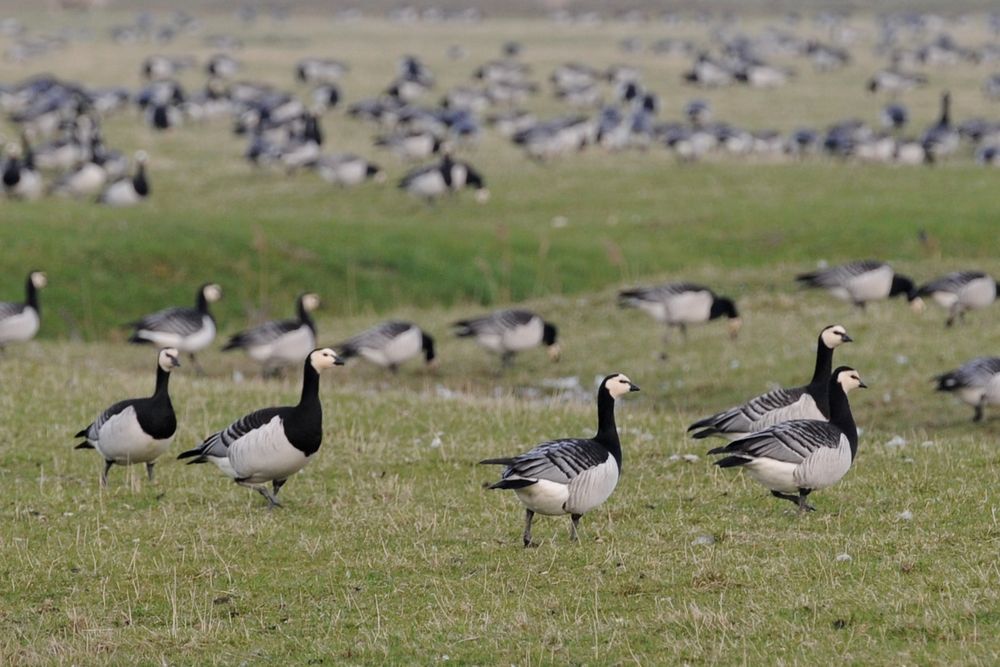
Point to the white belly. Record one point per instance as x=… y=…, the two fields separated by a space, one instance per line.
x=824 y=467
x=19 y=328
x=544 y=497
x=592 y=487
x=872 y=285
x=523 y=337
x=775 y=475
x=265 y=454
x=428 y=185
x=402 y=348
x=121 y=440
x=121 y=193
x=971 y=395
x=979 y=293
x=689 y=308
x=191 y=343
x=291 y=348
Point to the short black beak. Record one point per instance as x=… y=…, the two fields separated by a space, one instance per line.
x=846 y=338
x=862 y=384
x=633 y=387
x=338 y=362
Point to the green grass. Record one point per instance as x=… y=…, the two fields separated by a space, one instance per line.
x=389 y=550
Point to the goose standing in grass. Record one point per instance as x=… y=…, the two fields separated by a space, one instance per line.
x=19 y=322
x=280 y=342
x=861 y=282
x=187 y=329
x=571 y=476
x=138 y=430
x=507 y=332
x=961 y=291
x=272 y=444
x=977 y=382
x=795 y=458
x=348 y=170
x=811 y=401
x=128 y=191
x=446 y=177
x=941 y=139
x=389 y=345
x=681 y=304
x=86 y=180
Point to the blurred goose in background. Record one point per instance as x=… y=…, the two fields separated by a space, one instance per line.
x=348 y=170
x=128 y=191
x=448 y=176
x=680 y=304
x=862 y=281
x=507 y=332
x=272 y=444
x=961 y=291
x=187 y=329
x=20 y=178
x=19 y=322
x=389 y=345
x=569 y=476
x=411 y=145
x=794 y=458
x=86 y=180
x=941 y=139
x=138 y=430
x=811 y=401
x=280 y=342
x=977 y=383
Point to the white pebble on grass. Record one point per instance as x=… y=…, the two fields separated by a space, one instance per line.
x=703 y=540
x=905 y=515
x=843 y=558
x=896 y=441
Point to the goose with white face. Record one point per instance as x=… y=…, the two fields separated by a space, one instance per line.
x=324 y=358
x=850 y=380
x=619 y=385
x=212 y=292
x=169 y=359
x=39 y=279
x=834 y=336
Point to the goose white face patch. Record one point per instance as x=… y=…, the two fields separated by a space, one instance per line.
x=618 y=385
x=212 y=293
x=324 y=358
x=39 y=279
x=169 y=358
x=849 y=380
x=834 y=336
x=310 y=302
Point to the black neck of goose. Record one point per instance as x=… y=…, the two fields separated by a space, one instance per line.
x=607 y=430
x=310 y=387
x=202 y=303
x=162 y=382
x=840 y=415
x=824 y=365
x=139 y=181
x=304 y=427
x=304 y=316
x=31 y=295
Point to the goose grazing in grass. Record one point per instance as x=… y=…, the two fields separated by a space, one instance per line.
x=272 y=444
x=681 y=304
x=128 y=191
x=507 y=332
x=861 y=282
x=348 y=170
x=571 y=476
x=961 y=291
x=280 y=342
x=977 y=382
x=138 y=430
x=811 y=401
x=389 y=345
x=446 y=177
x=187 y=329
x=795 y=458
x=19 y=322
x=86 y=180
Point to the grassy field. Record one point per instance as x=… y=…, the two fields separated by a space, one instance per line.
x=389 y=550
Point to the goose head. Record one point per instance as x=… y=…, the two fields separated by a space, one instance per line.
x=168 y=358
x=323 y=358
x=849 y=379
x=212 y=292
x=834 y=336
x=618 y=385
x=310 y=301
x=549 y=335
x=38 y=279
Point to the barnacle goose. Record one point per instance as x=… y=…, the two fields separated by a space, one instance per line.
x=348 y=170
x=862 y=281
x=961 y=291
x=444 y=177
x=510 y=331
x=272 y=444
x=280 y=342
x=86 y=180
x=389 y=344
x=20 y=178
x=19 y=322
x=942 y=138
x=571 y=476
x=811 y=401
x=977 y=382
x=681 y=304
x=187 y=329
x=128 y=191
x=795 y=458
x=137 y=430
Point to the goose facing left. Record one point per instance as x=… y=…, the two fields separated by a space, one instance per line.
x=19 y=322
x=794 y=458
x=976 y=383
x=569 y=476
x=187 y=329
x=272 y=444
x=137 y=430
x=280 y=342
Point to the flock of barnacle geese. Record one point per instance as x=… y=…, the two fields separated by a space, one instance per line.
x=62 y=150
x=792 y=441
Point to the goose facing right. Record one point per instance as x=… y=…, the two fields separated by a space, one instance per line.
x=862 y=281
x=187 y=329
x=811 y=401
x=128 y=191
x=794 y=458
x=569 y=476
x=977 y=383
x=280 y=342
x=961 y=291
x=389 y=345
x=19 y=322
x=507 y=332
x=272 y=444
x=138 y=430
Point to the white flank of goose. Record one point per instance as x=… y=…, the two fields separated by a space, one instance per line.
x=448 y=176
x=272 y=444
x=811 y=401
x=19 y=322
x=861 y=282
x=187 y=329
x=507 y=332
x=797 y=457
x=128 y=191
x=977 y=383
x=680 y=304
x=961 y=291
x=348 y=170
x=571 y=476
x=138 y=430
x=85 y=181
x=389 y=345
x=280 y=342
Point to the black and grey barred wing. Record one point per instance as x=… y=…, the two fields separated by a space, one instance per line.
x=976 y=373
x=660 y=293
x=180 y=321
x=494 y=323
x=218 y=444
x=791 y=441
x=8 y=309
x=839 y=275
x=263 y=334
x=93 y=430
x=375 y=338
x=557 y=461
x=950 y=282
x=741 y=418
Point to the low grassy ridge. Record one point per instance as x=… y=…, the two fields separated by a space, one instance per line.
x=389 y=550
